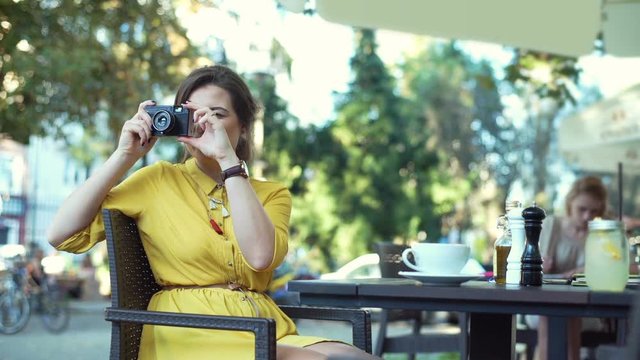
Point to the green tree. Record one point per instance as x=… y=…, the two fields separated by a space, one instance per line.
x=375 y=163
x=460 y=104
x=282 y=151
x=71 y=62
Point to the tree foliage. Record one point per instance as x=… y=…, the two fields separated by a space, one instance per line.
x=73 y=62
x=460 y=105
x=284 y=151
x=374 y=163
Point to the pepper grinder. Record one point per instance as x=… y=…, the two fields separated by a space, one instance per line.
x=516 y=224
x=531 y=259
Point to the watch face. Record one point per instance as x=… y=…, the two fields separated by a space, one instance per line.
x=244 y=167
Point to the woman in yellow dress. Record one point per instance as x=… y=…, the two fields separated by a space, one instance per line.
x=212 y=234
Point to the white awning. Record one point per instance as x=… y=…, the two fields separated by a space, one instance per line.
x=604 y=134
x=565 y=27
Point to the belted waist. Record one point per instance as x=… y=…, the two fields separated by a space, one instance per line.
x=229 y=286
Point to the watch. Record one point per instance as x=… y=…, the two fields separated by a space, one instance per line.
x=236 y=170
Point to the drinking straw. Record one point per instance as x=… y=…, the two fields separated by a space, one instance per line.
x=620 y=190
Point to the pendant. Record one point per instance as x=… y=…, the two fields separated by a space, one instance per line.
x=215 y=226
x=212 y=204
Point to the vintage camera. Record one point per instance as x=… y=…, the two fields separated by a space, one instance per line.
x=169 y=120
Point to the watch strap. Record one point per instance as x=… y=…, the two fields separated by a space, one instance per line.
x=236 y=170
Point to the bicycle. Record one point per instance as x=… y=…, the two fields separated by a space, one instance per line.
x=48 y=301
x=20 y=294
x=14 y=304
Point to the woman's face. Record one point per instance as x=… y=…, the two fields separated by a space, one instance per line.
x=583 y=209
x=219 y=100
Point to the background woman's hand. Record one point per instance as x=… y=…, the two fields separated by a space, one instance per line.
x=135 y=137
x=213 y=140
x=547 y=264
x=569 y=274
x=631 y=223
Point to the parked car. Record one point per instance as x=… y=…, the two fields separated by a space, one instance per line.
x=362 y=267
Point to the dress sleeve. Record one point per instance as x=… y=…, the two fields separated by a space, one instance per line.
x=278 y=208
x=130 y=197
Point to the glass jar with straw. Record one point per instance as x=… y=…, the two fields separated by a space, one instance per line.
x=606 y=256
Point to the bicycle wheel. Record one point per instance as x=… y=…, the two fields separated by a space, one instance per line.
x=54 y=311
x=14 y=311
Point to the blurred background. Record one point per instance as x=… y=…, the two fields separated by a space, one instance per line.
x=384 y=132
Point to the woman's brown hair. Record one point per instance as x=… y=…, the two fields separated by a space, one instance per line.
x=592 y=186
x=243 y=102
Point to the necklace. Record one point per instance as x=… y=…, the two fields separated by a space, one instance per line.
x=213 y=203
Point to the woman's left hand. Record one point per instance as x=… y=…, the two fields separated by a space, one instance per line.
x=213 y=141
x=570 y=274
x=631 y=223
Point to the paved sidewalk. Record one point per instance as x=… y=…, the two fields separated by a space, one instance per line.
x=97 y=306
x=88 y=336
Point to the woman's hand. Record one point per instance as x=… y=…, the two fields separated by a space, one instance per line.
x=569 y=274
x=81 y=207
x=547 y=264
x=135 y=138
x=631 y=223
x=213 y=141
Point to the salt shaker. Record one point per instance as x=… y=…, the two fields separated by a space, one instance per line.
x=514 y=260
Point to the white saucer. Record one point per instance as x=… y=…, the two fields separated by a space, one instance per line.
x=441 y=280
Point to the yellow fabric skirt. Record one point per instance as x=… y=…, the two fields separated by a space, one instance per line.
x=170 y=343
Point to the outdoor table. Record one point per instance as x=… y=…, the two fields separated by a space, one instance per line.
x=491 y=307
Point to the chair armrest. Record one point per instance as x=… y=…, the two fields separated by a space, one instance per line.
x=360 y=320
x=263 y=328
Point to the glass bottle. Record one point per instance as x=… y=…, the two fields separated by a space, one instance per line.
x=512 y=204
x=501 y=250
x=606 y=256
x=502 y=246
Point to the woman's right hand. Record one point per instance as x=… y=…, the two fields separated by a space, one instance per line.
x=135 y=138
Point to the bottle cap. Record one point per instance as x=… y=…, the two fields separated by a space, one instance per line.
x=512 y=204
x=600 y=224
x=501 y=223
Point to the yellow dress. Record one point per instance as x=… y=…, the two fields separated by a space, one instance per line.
x=169 y=204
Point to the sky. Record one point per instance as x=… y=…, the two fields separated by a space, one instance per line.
x=321 y=51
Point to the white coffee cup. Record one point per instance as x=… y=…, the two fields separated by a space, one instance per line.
x=436 y=258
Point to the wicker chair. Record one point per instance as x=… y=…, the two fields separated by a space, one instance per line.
x=416 y=342
x=133 y=284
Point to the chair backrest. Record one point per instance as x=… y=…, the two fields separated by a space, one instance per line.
x=391 y=259
x=132 y=282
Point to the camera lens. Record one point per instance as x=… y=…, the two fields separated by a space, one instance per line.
x=162 y=121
